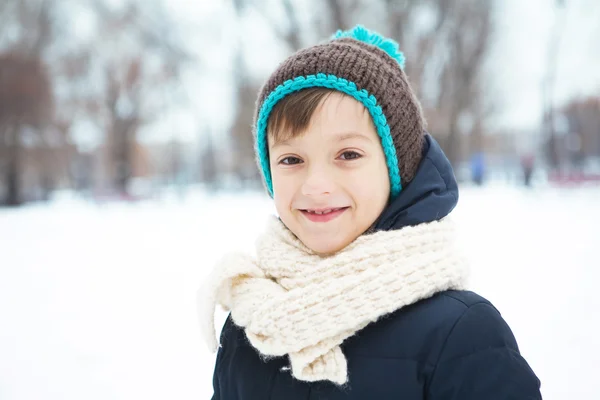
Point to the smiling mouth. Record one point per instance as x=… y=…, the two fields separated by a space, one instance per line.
x=323 y=214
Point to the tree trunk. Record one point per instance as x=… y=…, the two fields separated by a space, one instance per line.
x=13 y=189
x=453 y=142
x=122 y=153
x=338 y=15
x=122 y=168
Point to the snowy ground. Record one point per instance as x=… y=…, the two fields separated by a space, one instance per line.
x=98 y=302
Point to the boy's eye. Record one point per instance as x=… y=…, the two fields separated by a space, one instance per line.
x=290 y=161
x=350 y=155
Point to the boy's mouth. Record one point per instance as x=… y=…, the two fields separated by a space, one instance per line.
x=323 y=214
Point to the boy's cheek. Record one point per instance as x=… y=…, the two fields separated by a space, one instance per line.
x=283 y=188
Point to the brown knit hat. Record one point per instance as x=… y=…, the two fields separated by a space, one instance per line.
x=367 y=67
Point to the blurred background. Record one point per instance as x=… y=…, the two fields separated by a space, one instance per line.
x=127 y=169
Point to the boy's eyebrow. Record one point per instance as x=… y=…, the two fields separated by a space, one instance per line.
x=340 y=137
x=280 y=143
x=352 y=135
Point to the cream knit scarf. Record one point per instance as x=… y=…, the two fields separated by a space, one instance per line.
x=292 y=301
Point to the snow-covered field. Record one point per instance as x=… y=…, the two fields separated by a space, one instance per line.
x=99 y=302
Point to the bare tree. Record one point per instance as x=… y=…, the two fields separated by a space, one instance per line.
x=340 y=13
x=469 y=38
x=582 y=139
x=26 y=100
x=422 y=44
x=208 y=163
x=136 y=78
x=242 y=142
x=125 y=76
x=444 y=62
x=548 y=121
x=247 y=89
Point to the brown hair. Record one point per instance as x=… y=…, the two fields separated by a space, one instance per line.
x=292 y=114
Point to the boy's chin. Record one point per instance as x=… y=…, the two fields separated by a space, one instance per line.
x=324 y=239
x=326 y=246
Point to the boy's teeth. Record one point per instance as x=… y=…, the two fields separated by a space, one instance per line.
x=322 y=212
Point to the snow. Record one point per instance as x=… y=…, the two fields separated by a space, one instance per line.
x=99 y=301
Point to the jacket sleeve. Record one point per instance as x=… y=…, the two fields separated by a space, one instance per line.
x=219 y=360
x=216 y=387
x=481 y=360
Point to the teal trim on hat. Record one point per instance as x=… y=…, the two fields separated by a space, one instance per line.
x=339 y=84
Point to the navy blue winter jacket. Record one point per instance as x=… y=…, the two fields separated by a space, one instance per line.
x=452 y=346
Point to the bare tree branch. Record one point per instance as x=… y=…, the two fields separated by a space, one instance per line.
x=339 y=16
x=291 y=35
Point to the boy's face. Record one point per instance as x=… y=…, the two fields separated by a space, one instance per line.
x=331 y=183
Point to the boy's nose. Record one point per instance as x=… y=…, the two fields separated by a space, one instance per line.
x=318 y=182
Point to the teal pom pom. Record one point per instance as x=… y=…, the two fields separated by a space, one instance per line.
x=361 y=33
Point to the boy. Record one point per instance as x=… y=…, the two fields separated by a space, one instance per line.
x=357 y=290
